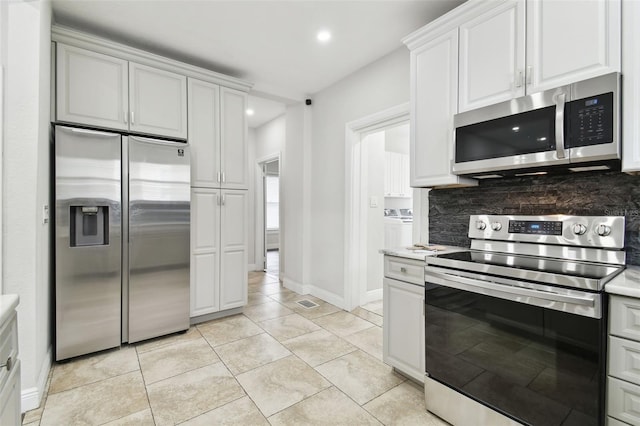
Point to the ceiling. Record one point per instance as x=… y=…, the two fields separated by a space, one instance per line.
x=267 y=42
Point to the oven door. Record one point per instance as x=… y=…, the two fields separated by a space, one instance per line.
x=533 y=352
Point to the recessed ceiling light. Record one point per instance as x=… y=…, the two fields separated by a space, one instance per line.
x=249 y=111
x=324 y=36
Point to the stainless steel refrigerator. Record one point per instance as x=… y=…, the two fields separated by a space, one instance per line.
x=122 y=219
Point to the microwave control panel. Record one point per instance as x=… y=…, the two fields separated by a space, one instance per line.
x=590 y=121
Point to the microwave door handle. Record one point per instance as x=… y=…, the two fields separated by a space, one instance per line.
x=560 y=101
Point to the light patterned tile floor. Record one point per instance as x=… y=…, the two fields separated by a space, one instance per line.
x=278 y=364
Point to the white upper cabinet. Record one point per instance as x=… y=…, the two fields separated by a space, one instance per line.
x=492 y=56
x=569 y=41
x=631 y=86
x=103 y=91
x=204 y=133
x=92 y=88
x=158 y=101
x=564 y=42
x=234 y=147
x=218 y=136
x=434 y=101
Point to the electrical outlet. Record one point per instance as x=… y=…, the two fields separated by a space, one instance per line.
x=45 y=214
x=373 y=202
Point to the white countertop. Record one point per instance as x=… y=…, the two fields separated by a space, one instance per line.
x=419 y=254
x=8 y=303
x=627 y=283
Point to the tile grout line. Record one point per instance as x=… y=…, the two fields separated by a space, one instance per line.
x=146 y=391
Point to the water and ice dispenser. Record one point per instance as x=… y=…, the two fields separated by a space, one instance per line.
x=89 y=226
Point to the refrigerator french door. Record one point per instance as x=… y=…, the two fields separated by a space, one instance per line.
x=121 y=239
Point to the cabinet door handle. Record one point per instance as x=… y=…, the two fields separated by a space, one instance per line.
x=223 y=199
x=519 y=78
x=126 y=115
x=219 y=177
x=133 y=118
x=8 y=364
x=403 y=269
x=224 y=180
x=529 y=73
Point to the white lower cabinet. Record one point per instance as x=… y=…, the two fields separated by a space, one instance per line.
x=403 y=327
x=218 y=250
x=10 y=412
x=623 y=370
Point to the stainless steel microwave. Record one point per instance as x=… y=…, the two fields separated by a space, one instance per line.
x=575 y=127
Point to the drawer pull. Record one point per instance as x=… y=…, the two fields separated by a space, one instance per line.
x=7 y=364
x=403 y=270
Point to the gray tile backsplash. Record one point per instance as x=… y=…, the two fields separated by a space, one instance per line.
x=587 y=193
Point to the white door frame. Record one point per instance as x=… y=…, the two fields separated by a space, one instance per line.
x=355 y=236
x=259 y=216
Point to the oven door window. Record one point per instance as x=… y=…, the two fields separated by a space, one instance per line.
x=536 y=365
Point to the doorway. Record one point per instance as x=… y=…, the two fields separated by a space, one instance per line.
x=270 y=223
x=364 y=228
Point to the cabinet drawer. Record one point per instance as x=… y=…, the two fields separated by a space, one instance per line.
x=404 y=269
x=8 y=347
x=624 y=317
x=623 y=401
x=624 y=359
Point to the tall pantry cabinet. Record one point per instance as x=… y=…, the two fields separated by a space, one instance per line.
x=106 y=85
x=217 y=130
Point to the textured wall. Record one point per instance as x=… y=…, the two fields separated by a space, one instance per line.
x=587 y=194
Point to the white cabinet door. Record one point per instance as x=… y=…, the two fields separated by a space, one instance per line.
x=387 y=174
x=434 y=101
x=92 y=88
x=233 y=247
x=568 y=41
x=204 y=133
x=234 y=147
x=158 y=101
x=492 y=48
x=403 y=327
x=631 y=85
x=205 y=251
x=405 y=170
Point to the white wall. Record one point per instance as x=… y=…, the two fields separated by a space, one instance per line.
x=26 y=265
x=292 y=185
x=265 y=141
x=373 y=146
x=380 y=85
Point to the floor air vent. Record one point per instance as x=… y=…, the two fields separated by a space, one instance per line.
x=307 y=303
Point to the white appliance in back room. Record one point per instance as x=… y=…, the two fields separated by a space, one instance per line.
x=122 y=229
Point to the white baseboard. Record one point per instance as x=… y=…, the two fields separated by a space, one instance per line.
x=329 y=297
x=315 y=291
x=253 y=267
x=294 y=285
x=373 y=295
x=32 y=397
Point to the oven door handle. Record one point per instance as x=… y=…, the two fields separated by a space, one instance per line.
x=503 y=291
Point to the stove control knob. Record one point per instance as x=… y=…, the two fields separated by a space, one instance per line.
x=496 y=226
x=579 y=229
x=480 y=225
x=603 y=230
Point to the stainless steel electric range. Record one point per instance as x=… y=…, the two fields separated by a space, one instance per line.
x=518 y=322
